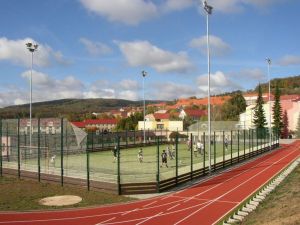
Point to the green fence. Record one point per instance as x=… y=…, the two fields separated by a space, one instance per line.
x=121 y=162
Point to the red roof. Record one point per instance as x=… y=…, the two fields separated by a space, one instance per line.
x=195 y=112
x=289 y=97
x=101 y=121
x=79 y=124
x=161 y=116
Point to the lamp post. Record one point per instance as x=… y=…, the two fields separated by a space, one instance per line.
x=268 y=60
x=32 y=48
x=208 y=9
x=144 y=74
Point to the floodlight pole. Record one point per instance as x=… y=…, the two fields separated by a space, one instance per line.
x=144 y=74
x=208 y=10
x=32 y=48
x=270 y=132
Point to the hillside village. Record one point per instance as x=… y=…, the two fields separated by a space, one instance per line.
x=187 y=111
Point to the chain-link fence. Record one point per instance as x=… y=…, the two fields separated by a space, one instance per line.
x=122 y=162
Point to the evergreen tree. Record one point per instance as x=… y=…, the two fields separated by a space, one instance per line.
x=277 y=111
x=298 y=127
x=285 y=130
x=232 y=108
x=259 y=114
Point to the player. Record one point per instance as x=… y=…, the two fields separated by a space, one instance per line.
x=52 y=160
x=200 y=147
x=226 y=143
x=115 y=150
x=170 y=154
x=164 y=159
x=140 y=155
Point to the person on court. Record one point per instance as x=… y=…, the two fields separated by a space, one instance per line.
x=140 y=155
x=115 y=150
x=164 y=159
x=226 y=143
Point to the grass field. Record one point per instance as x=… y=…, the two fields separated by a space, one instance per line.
x=19 y=194
x=102 y=166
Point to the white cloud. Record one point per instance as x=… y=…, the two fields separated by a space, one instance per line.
x=217 y=46
x=236 y=6
x=16 y=52
x=130 y=12
x=170 y=91
x=288 y=60
x=176 y=5
x=219 y=83
x=95 y=48
x=143 y=53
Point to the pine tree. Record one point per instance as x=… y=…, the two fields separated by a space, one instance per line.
x=298 y=127
x=277 y=111
x=285 y=130
x=259 y=114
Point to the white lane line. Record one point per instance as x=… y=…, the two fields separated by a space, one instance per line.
x=251 y=194
x=219 y=184
x=204 y=199
x=149 y=204
x=105 y=221
x=149 y=218
x=231 y=190
x=129 y=212
x=173 y=207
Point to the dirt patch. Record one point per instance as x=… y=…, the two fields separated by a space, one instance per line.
x=60 y=200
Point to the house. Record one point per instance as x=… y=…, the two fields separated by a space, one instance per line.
x=160 y=121
x=194 y=114
x=48 y=126
x=289 y=103
x=97 y=124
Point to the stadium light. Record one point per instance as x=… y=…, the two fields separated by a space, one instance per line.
x=268 y=60
x=144 y=74
x=208 y=9
x=32 y=48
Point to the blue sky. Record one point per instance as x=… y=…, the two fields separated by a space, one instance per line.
x=98 y=48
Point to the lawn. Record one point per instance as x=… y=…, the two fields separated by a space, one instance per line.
x=19 y=194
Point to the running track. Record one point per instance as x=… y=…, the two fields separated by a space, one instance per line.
x=203 y=203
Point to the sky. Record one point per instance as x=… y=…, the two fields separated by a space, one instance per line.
x=98 y=48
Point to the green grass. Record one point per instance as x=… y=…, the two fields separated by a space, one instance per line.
x=19 y=194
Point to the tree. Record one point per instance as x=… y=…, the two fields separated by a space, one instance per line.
x=259 y=114
x=298 y=127
x=277 y=111
x=285 y=130
x=130 y=123
x=233 y=107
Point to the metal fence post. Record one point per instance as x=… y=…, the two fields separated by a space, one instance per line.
x=62 y=151
x=215 y=160
x=176 y=148
x=203 y=153
x=157 y=164
x=231 y=147
x=190 y=146
x=223 y=149
x=244 y=144
x=87 y=162
x=119 y=168
x=39 y=149
x=18 y=143
x=126 y=136
x=1 y=172
x=238 y=145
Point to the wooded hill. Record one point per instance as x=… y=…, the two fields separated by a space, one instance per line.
x=287 y=86
x=67 y=107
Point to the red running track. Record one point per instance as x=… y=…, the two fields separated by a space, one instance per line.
x=203 y=203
